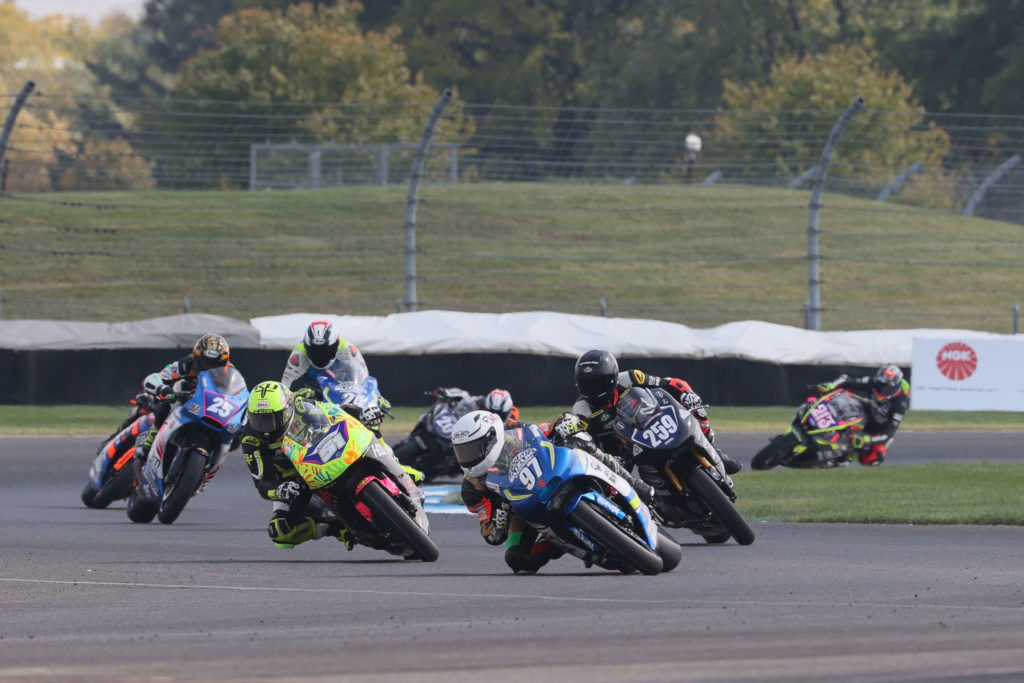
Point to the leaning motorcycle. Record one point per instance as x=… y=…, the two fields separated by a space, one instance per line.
x=190 y=446
x=428 y=448
x=582 y=506
x=360 y=481
x=825 y=432
x=112 y=473
x=673 y=455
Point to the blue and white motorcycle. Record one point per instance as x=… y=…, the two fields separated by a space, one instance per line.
x=348 y=383
x=581 y=505
x=190 y=446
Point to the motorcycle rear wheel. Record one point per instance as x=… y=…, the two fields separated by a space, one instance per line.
x=775 y=452
x=189 y=478
x=718 y=538
x=141 y=510
x=384 y=507
x=669 y=551
x=89 y=494
x=613 y=538
x=116 y=488
x=702 y=486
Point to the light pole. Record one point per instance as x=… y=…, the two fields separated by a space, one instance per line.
x=693 y=144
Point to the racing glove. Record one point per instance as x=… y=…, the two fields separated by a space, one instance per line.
x=860 y=440
x=288 y=492
x=566 y=425
x=307 y=394
x=826 y=387
x=371 y=417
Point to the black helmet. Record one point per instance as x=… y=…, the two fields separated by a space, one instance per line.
x=597 y=374
x=887 y=382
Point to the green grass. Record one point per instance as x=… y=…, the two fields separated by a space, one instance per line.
x=695 y=254
x=101 y=420
x=962 y=493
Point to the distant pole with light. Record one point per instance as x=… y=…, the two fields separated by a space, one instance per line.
x=693 y=144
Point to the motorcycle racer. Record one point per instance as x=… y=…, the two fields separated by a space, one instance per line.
x=497 y=401
x=479 y=438
x=601 y=384
x=298 y=516
x=886 y=395
x=179 y=377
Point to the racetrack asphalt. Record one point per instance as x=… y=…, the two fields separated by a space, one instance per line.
x=87 y=595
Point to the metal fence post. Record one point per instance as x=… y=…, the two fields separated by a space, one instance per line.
x=383 y=172
x=899 y=181
x=5 y=135
x=411 y=298
x=992 y=178
x=813 y=229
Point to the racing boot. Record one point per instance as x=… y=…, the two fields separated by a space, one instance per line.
x=644 y=490
x=142 y=446
x=731 y=464
x=286 y=535
x=339 y=531
x=414 y=474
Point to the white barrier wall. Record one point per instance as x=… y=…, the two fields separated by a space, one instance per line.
x=967 y=374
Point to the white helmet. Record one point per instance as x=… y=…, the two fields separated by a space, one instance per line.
x=499 y=401
x=321 y=342
x=477 y=439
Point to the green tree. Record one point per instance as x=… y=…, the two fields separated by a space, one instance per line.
x=178 y=29
x=788 y=118
x=967 y=61
x=52 y=133
x=317 y=59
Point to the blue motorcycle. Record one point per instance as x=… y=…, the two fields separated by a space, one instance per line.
x=347 y=383
x=190 y=446
x=585 y=508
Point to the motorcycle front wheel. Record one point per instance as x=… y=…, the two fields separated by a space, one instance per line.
x=702 y=486
x=385 y=509
x=183 y=488
x=775 y=452
x=618 y=542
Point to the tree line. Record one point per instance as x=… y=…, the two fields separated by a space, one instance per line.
x=911 y=56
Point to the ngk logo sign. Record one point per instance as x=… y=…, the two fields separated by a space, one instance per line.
x=957 y=361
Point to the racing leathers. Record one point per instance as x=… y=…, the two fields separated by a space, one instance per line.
x=884 y=414
x=526 y=549
x=299 y=372
x=597 y=420
x=302 y=516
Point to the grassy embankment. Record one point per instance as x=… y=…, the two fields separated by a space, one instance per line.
x=695 y=254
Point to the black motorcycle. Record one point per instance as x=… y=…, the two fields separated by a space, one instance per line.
x=673 y=455
x=428 y=448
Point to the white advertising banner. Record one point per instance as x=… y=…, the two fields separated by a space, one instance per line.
x=967 y=374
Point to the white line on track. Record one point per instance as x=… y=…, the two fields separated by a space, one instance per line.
x=519 y=596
